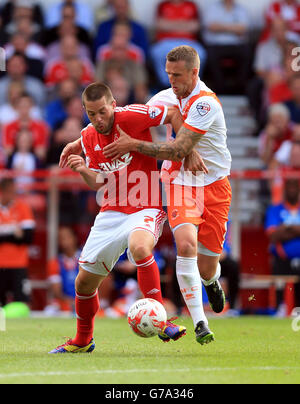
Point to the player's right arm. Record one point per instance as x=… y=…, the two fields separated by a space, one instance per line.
x=91 y=178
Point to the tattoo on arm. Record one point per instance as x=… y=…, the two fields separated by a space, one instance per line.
x=183 y=145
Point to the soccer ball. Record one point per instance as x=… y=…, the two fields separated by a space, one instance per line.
x=147 y=317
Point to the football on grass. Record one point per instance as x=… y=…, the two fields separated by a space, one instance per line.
x=147 y=317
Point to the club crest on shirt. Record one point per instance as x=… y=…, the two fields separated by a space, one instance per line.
x=154 y=112
x=203 y=108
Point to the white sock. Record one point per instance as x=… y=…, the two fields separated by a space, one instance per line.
x=215 y=278
x=191 y=287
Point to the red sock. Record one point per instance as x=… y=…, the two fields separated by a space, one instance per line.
x=149 y=278
x=86 y=310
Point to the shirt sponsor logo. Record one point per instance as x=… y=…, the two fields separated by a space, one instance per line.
x=117 y=165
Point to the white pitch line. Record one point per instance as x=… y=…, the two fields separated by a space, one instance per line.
x=126 y=371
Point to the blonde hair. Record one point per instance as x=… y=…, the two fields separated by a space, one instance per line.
x=185 y=53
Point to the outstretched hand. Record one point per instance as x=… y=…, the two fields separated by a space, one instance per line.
x=76 y=163
x=121 y=146
x=71 y=148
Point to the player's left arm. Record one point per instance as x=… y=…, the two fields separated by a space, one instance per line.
x=201 y=116
x=182 y=146
x=193 y=161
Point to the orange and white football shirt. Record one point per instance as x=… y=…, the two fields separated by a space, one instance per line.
x=16 y=214
x=206 y=197
x=202 y=113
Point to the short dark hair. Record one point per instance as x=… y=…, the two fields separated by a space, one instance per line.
x=96 y=91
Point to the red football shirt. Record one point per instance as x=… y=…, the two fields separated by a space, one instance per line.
x=171 y=11
x=290 y=13
x=58 y=71
x=39 y=130
x=132 y=182
x=133 y=52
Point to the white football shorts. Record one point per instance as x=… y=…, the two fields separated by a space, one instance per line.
x=108 y=238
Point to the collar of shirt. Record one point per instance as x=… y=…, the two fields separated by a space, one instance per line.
x=200 y=86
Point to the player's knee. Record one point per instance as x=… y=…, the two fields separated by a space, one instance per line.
x=82 y=285
x=140 y=252
x=207 y=270
x=187 y=248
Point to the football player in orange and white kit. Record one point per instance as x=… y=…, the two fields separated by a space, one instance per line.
x=131 y=215
x=199 y=232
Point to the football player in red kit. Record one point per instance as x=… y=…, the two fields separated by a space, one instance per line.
x=131 y=215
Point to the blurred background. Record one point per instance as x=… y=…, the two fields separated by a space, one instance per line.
x=51 y=50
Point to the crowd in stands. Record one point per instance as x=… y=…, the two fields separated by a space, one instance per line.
x=53 y=52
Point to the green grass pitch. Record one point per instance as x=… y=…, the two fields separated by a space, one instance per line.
x=246 y=350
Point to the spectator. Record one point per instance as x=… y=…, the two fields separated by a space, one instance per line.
x=84 y=16
x=122 y=13
x=277 y=130
x=25 y=26
x=33 y=53
x=58 y=70
x=120 y=55
x=53 y=51
x=278 y=84
x=56 y=109
x=120 y=38
x=177 y=22
x=283 y=228
x=8 y=111
x=23 y=158
x=120 y=89
x=287 y=10
x=269 y=55
x=288 y=155
x=16 y=11
x=68 y=132
x=17 y=71
x=67 y=26
x=80 y=72
x=226 y=25
x=273 y=69
x=74 y=109
x=294 y=103
x=63 y=270
x=24 y=44
x=39 y=129
x=16 y=235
